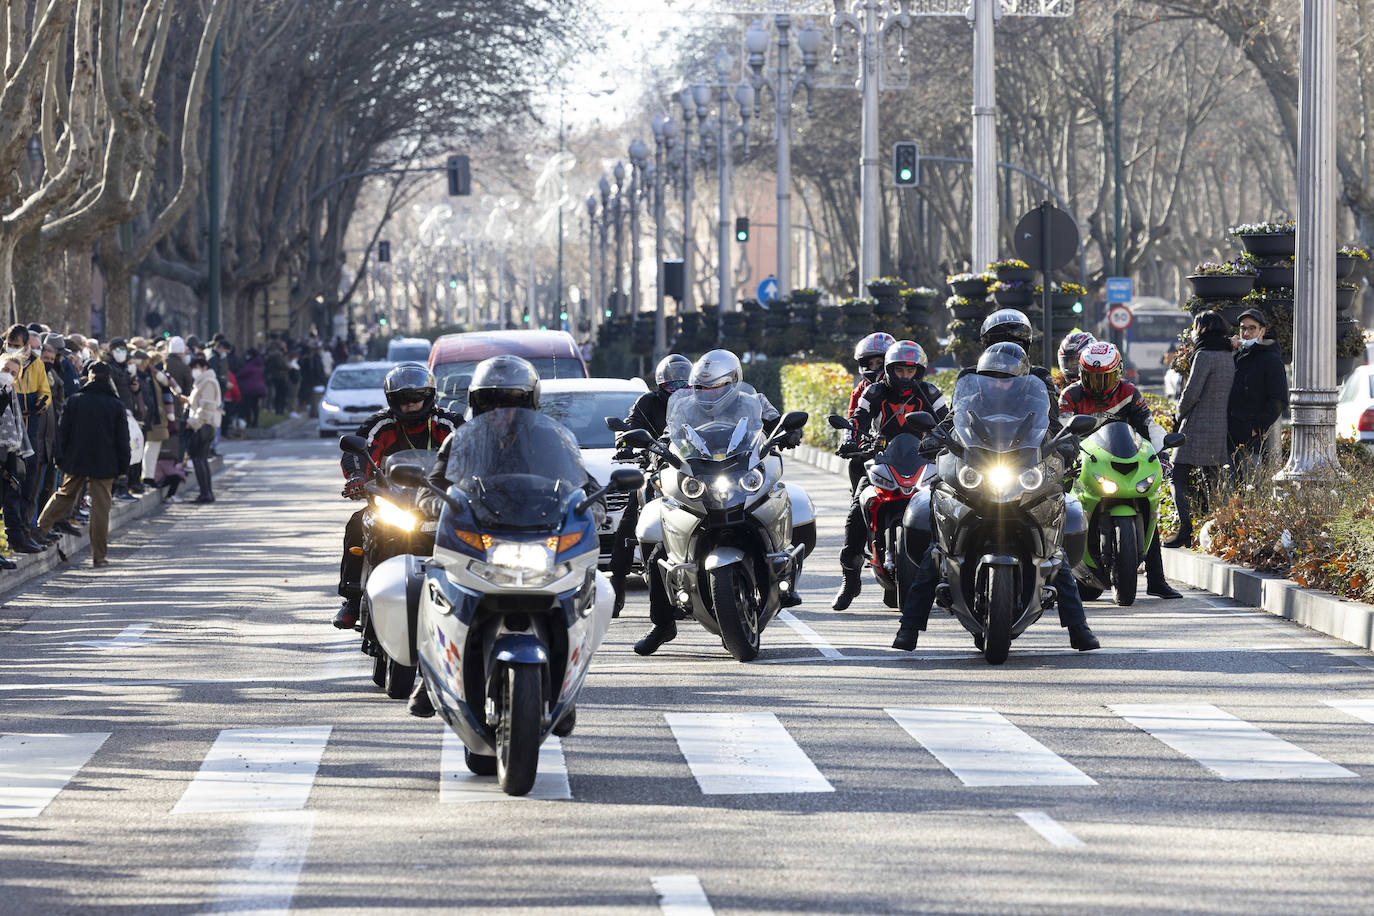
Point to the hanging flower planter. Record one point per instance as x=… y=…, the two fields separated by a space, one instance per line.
x=885 y=288
x=1221 y=286
x=1275 y=276
x=1267 y=240
x=970 y=286
x=1014 y=294
x=1348 y=259
x=1012 y=270
x=806 y=296
x=1346 y=294
x=965 y=309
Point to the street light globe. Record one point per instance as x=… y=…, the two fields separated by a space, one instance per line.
x=605 y=186
x=701 y=94
x=639 y=151
x=670 y=129
x=656 y=126
x=619 y=172
x=744 y=95
x=809 y=38
x=756 y=39
x=591 y=205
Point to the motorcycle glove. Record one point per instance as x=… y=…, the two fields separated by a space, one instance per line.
x=1068 y=450
x=353 y=488
x=792 y=439
x=929 y=448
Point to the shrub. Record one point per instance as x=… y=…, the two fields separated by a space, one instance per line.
x=819 y=389
x=765 y=375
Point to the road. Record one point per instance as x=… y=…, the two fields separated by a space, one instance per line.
x=183 y=732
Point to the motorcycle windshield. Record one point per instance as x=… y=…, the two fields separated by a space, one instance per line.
x=1001 y=415
x=1117 y=440
x=714 y=430
x=903 y=455
x=517 y=467
x=418 y=457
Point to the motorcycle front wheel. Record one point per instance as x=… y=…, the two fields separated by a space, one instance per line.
x=1001 y=595
x=517 y=734
x=737 y=612
x=399 y=678
x=1126 y=561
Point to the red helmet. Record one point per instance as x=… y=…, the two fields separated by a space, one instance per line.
x=1099 y=369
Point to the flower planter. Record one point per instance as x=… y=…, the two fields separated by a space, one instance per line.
x=1345 y=298
x=1269 y=245
x=1344 y=366
x=1065 y=301
x=968 y=311
x=1231 y=313
x=801 y=298
x=1226 y=286
x=881 y=291
x=1274 y=277
x=1015 y=274
x=892 y=306
x=1345 y=265
x=1017 y=298
x=971 y=289
x=1344 y=326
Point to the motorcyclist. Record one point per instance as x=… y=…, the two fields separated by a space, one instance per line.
x=410 y=421
x=869 y=354
x=650 y=412
x=715 y=381
x=1073 y=344
x=882 y=412
x=497 y=383
x=1012 y=326
x=1001 y=360
x=1101 y=392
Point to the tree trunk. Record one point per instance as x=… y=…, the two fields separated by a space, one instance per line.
x=27 y=276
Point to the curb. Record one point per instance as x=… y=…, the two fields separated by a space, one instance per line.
x=122 y=514
x=1351 y=621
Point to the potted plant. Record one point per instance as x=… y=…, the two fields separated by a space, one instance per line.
x=966 y=309
x=1349 y=347
x=1275 y=273
x=1349 y=257
x=1065 y=295
x=1224 y=280
x=1346 y=294
x=971 y=286
x=1013 y=294
x=1274 y=239
x=807 y=295
x=1011 y=270
x=885 y=289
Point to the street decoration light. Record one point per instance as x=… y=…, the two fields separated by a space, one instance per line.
x=665 y=133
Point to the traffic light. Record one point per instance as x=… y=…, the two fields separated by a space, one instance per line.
x=383 y=251
x=452 y=281
x=1078 y=308
x=459 y=176
x=527 y=318
x=906 y=164
x=563 y=315
x=741 y=228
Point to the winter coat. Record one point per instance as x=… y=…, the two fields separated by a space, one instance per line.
x=154 y=411
x=31 y=383
x=179 y=371
x=274 y=367
x=93 y=436
x=123 y=378
x=205 y=407
x=1259 y=393
x=1202 y=409
x=251 y=379
x=12 y=435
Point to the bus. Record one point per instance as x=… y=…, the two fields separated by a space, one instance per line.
x=1155 y=326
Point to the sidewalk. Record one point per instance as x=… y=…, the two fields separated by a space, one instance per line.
x=1352 y=621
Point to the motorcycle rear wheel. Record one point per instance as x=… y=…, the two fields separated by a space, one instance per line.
x=400 y=679
x=1126 y=561
x=1001 y=594
x=517 y=734
x=737 y=612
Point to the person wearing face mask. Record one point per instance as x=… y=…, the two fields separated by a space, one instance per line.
x=35 y=397
x=203 y=416
x=122 y=374
x=14 y=446
x=46 y=444
x=1259 y=392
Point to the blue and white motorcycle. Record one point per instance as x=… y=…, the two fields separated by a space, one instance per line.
x=504 y=618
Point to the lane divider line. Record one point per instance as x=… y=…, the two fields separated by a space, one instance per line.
x=810 y=635
x=681 y=895
x=1050 y=829
x=265 y=881
x=35 y=768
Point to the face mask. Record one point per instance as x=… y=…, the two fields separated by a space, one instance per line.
x=13 y=351
x=196 y=374
x=119 y=355
x=1248 y=342
x=6 y=379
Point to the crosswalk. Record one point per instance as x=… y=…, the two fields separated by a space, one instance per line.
x=727 y=753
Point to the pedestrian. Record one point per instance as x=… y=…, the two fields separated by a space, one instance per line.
x=93 y=440
x=129 y=484
x=1202 y=417
x=275 y=373
x=1259 y=393
x=35 y=396
x=176 y=363
x=252 y=382
x=204 y=414
x=14 y=449
x=154 y=384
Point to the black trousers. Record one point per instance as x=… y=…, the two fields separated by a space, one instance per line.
x=201 y=440
x=855 y=529
x=661 y=611
x=623 y=550
x=1183 y=473
x=351 y=566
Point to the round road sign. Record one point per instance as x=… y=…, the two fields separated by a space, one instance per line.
x=1119 y=317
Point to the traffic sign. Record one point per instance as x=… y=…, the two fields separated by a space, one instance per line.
x=1119 y=317
x=768 y=291
x=1119 y=289
x=1046 y=230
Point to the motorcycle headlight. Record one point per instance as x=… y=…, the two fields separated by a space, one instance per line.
x=969 y=479
x=1144 y=485
x=391 y=514
x=752 y=481
x=691 y=487
x=1106 y=486
x=1032 y=478
x=1000 y=477
x=526 y=556
x=722 y=486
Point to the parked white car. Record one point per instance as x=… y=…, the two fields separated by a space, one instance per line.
x=1355 y=406
x=582 y=405
x=354 y=391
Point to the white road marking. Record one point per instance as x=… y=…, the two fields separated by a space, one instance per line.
x=130 y=637
x=264 y=881
x=458 y=784
x=1049 y=828
x=810 y=635
x=1360 y=709
x=34 y=768
x=681 y=895
x=1230 y=747
x=744 y=754
x=982 y=748
x=257 y=769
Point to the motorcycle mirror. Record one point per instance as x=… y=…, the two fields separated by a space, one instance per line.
x=1174 y=440
x=837 y=422
x=617 y=425
x=637 y=438
x=625 y=480
x=353 y=445
x=921 y=421
x=793 y=420
x=408 y=475
x=1081 y=424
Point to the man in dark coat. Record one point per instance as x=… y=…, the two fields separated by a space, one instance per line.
x=93 y=440
x=1259 y=392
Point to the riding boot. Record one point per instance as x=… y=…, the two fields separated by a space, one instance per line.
x=420 y=705
x=1155 y=583
x=850 y=587
x=347 y=617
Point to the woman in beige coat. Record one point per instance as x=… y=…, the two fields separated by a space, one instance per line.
x=204 y=410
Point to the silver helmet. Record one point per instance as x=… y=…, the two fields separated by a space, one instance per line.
x=673 y=372
x=715 y=375
x=503 y=381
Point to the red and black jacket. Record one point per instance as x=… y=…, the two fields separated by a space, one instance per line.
x=1124 y=403
x=385 y=435
x=882 y=413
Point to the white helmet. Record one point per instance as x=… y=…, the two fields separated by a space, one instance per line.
x=715 y=375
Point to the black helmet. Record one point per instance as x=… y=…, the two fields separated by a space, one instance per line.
x=1006 y=325
x=672 y=372
x=1004 y=360
x=503 y=381
x=1074 y=343
x=904 y=353
x=406 y=383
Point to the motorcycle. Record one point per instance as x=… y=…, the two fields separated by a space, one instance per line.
x=999 y=508
x=734 y=534
x=1120 y=484
x=391 y=528
x=504 y=618
x=896 y=470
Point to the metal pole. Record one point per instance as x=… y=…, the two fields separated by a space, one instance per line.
x=634 y=242
x=604 y=302
x=688 y=298
x=617 y=206
x=216 y=188
x=591 y=296
x=724 y=294
x=1118 y=255
x=660 y=318
x=782 y=107
x=984 y=136
x=869 y=187
x=1313 y=397
x=1046 y=299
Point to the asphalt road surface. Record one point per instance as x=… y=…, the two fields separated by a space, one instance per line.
x=184 y=732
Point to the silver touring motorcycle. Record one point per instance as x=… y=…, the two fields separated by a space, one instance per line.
x=504 y=618
x=734 y=535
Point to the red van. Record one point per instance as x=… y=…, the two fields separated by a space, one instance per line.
x=553 y=353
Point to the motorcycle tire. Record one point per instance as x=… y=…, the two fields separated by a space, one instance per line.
x=1001 y=595
x=889 y=594
x=737 y=612
x=1089 y=592
x=906 y=568
x=1126 y=562
x=479 y=764
x=517 y=734
x=379 y=662
x=400 y=679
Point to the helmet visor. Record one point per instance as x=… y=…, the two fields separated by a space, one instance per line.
x=714 y=393
x=1099 y=383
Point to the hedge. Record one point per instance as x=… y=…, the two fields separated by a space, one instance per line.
x=819 y=389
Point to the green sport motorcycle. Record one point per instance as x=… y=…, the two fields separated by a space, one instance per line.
x=1119 y=484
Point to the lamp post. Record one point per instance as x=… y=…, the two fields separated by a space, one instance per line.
x=664 y=131
x=688 y=104
x=605 y=187
x=591 y=260
x=639 y=158
x=871 y=26
x=617 y=212
x=784 y=89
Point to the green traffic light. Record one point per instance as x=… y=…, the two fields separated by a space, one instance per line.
x=741 y=236
x=905 y=174
x=382 y=322
x=1078 y=308
x=562 y=316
